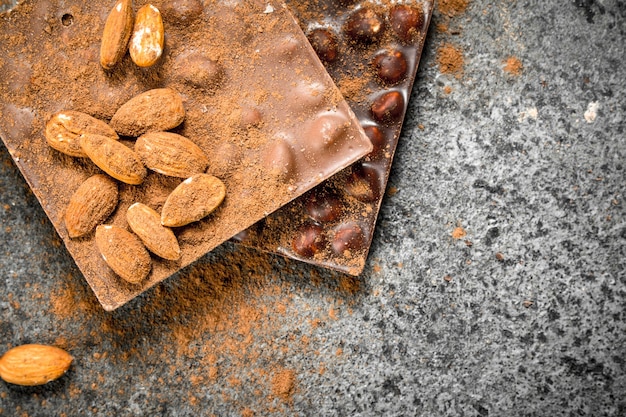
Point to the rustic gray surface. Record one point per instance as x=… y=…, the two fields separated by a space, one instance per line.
x=523 y=316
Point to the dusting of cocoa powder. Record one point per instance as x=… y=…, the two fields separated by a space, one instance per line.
x=513 y=66
x=452 y=8
x=450 y=60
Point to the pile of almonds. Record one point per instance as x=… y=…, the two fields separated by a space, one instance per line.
x=146 y=117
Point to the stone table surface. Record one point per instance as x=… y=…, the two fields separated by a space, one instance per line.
x=495 y=286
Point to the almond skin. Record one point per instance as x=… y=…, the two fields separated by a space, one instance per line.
x=123 y=252
x=114 y=158
x=63 y=131
x=146 y=43
x=171 y=154
x=151 y=111
x=92 y=203
x=117 y=31
x=34 y=364
x=194 y=199
x=146 y=223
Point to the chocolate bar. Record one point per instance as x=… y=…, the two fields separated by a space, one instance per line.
x=257 y=102
x=371 y=50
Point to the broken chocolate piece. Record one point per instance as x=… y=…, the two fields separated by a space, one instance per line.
x=257 y=101
x=372 y=50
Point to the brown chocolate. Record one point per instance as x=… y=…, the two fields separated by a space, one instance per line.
x=256 y=99
x=372 y=51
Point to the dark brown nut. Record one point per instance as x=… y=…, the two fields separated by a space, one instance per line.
x=390 y=66
x=378 y=138
x=364 y=182
x=324 y=42
x=364 y=25
x=323 y=206
x=388 y=108
x=348 y=237
x=406 y=22
x=309 y=240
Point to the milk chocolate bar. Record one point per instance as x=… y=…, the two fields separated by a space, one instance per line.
x=257 y=101
x=372 y=50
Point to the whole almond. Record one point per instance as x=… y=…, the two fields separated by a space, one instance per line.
x=123 y=252
x=114 y=158
x=194 y=199
x=117 y=30
x=34 y=364
x=91 y=204
x=151 y=111
x=64 y=129
x=146 y=44
x=146 y=223
x=171 y=154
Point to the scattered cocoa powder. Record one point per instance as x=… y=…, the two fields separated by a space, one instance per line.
x=459 y=233
x=450 y=60
x=513 y=66
x=283 y=384
x=452 y=8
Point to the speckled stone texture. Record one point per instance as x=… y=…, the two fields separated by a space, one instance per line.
x=522 y=316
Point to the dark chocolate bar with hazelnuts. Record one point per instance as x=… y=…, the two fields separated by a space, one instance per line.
x=372 y=50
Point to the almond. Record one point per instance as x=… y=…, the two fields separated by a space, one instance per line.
x=114 y=158
x=171 y=154
x=34 y=364
x=117 y=30
x=92 y=203
x=146 y=223
x=194 y=199
x=123 y=252
x=146 y=44
x=64 y=129
x=151 y=111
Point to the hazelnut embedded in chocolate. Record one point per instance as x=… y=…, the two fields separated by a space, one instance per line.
x=364 y=25
x=406 y=21
x=377 y=136
x=364 y=182
x=181 y=12
x=309 y=240
x=389 y=107
x=323 y=206
x=390 y=66
x=348 y=236
x=324 y=42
